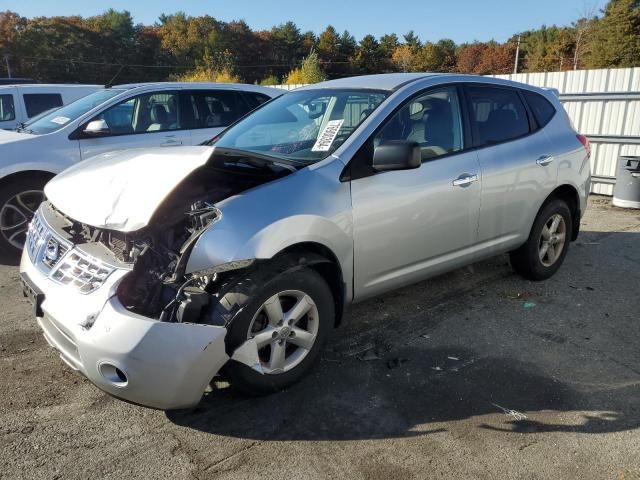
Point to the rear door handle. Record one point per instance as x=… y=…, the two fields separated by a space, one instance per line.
x=464 y=180
x=544 y=160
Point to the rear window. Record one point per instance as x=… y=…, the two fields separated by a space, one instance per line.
x=542 y=109
x=7 y=110
x=498 y=115
x=36 y=103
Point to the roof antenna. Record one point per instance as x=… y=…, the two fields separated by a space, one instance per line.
x=110 y=83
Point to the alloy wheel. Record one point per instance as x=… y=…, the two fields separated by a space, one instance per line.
x=16 y=214
x=552 y=240
x=285 y=329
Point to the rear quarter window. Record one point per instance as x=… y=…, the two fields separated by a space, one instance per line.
x=36 y=103
x=542 y=109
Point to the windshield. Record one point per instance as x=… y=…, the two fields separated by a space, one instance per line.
x=62 y=116
x=305 y=126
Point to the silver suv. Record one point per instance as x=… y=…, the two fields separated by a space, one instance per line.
x=153 y=271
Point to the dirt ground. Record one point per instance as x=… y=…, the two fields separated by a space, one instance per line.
x=474 y=374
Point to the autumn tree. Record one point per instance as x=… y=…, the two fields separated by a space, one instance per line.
x=469 y=57
x=309 y=72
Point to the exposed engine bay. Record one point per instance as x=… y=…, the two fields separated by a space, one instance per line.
x=158 y=287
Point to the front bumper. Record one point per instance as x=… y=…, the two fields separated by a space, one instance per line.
x=156 y=364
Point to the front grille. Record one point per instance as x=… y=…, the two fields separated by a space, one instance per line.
x=60 y=261
x=82 y=272
x=35 y=236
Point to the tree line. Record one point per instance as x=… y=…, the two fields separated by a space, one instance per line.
x=111 y=47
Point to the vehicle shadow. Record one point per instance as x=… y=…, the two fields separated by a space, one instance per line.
x=412 y=392
x=9 y=260
x=552 y=371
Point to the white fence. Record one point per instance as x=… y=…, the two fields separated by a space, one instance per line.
x=604 y=105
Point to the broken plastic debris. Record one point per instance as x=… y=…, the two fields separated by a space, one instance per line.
x=528 y=305
x=454 y=358
x=512 y=413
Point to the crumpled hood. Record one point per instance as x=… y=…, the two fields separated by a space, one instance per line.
x=122 y=190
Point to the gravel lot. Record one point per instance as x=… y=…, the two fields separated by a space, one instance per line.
x=475 y=374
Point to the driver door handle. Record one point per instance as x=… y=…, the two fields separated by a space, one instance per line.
x=464 y=180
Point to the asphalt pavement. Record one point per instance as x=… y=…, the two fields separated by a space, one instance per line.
x=475 y=374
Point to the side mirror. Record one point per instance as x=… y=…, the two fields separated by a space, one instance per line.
x=396 y=155
x=96 y=128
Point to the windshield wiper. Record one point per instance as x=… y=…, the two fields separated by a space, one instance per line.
x=262 y=157
x=22 y=127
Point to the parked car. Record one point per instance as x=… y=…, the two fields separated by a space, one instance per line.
x=152 y=271
x=21 y=103
x=126 y=116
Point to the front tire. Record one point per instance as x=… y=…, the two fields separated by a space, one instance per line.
x=289 y=311
x=546 y=248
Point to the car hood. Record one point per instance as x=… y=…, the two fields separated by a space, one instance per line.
x=10 y=136
x=122 y=190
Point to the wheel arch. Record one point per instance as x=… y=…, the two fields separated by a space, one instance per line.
x=325 y=262
x=26 y=174
x=569 y=194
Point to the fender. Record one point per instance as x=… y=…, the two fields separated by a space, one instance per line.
x=255 y=226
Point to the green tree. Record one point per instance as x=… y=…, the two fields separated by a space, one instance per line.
x=411 y=39
x=328 y=45
x=309 y=72
x=368 y=58
x=616 y=38
x=436 y=57
x=309 y=41
x=287 y=43
x=388 y=44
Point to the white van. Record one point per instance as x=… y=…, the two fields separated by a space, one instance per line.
x=19 y=103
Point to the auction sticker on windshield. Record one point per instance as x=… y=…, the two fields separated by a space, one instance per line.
x=60 y=120
x=328 y=135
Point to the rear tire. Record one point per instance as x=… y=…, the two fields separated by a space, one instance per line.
x=19 y=199
x=545 y=249
x=260 y=303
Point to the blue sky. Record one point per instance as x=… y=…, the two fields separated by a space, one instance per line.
x=460 y=20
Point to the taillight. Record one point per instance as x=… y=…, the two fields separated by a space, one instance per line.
x=585 y=143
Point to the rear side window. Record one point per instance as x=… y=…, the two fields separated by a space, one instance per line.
x=36 y=103
x=7 y=110
x=498 y=115
x=217 y=108
x=542 y=109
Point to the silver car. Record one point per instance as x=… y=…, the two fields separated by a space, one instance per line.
x=153 y=271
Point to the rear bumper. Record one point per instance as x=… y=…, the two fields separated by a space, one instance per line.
x=156 y=364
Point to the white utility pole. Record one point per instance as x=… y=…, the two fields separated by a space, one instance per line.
x=6 y=59
x=515 y=66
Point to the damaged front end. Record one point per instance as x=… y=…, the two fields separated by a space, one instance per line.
x=158 y=286
x=141 y=317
